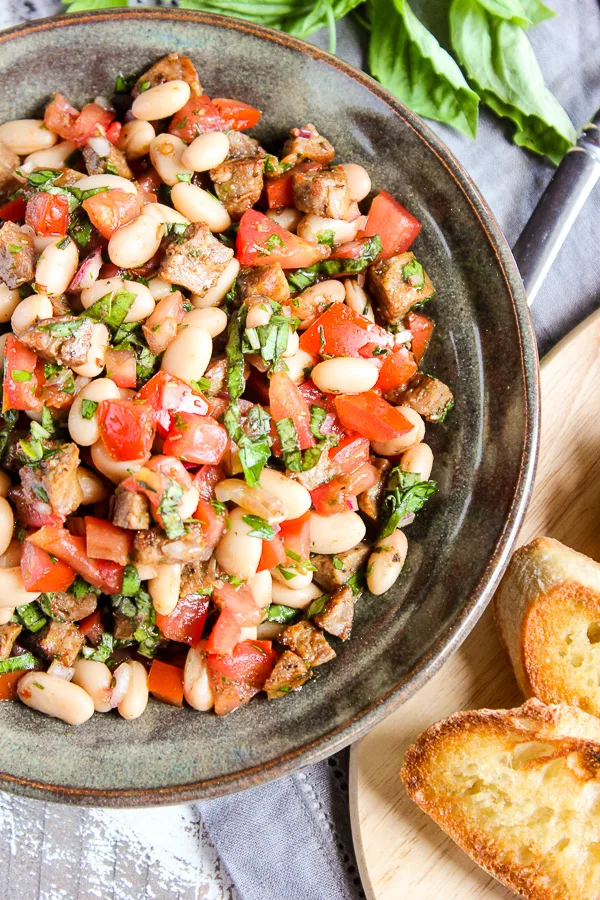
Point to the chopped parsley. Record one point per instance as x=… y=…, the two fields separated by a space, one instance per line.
x=219 y=508
x=124 y=83
x=184 y=176
x=270 y=244
x=144 y=85
x=337 y=563
x=62 y=245
x=413 y=274
x=88 y=408
x=40 y=493
x=131 y=581
x=442 y=416
x=201 y=385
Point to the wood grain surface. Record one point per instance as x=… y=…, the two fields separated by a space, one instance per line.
x=402 y=854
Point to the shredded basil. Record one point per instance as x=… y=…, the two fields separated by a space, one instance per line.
x=88 y=408
x=405 y=493
x=260 y=527
x=169 y=512
x=18 y=663
x=303 y=278
x=102 y=652
x=111 y=309
x=201 y=385
x=30 y=617
x=317 y=606
x=283 y=615
x=131 y=581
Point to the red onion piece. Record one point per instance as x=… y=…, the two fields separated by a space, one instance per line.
x=87 y=272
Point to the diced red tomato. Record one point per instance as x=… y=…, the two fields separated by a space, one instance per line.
x=273 y=554
x=40 y=572
x=213 y=523
x=329 y=499
x=103 y=540
x=168 y=394
x=280 y=191
x=21 y=382
x=225 y=634
x=113 y=133
x=92 y=627
x=48 y=214
x=14 y=210
x=261 y=241
x=396 y=227
x=421 y=328
x=287 y=401
x=196 y=439
x=197 y=116
x=8 y=685
x=396 y=370
x=235 y=114
x=372 y=416
x=350 y=249
x=165 y=682
x=206 y=479
x=236 y=678
x=171 y=468
x=295 y=534
x=127 y=428
x=109 y=210
x=340 y=331
x=145 y=481
x=72 y=125
x=120 y=366
x=240 y=602
x=352 y=452
x=108 y=576
x=186 y=623
x=160 y=328
x=60 y=116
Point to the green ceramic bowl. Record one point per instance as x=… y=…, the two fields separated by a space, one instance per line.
x=484 y=455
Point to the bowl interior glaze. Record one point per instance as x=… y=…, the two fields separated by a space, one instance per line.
x=484 y=455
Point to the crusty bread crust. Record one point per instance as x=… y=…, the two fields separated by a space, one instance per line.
x=547 y=609
x=519 y=791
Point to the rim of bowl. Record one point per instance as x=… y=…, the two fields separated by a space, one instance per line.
x=476 y=602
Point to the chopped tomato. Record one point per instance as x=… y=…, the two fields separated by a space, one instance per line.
x=160 y=328
x=225 y=634
x=120 y=366
x=236 y=678
x=196 y=439
x=21 y=381
x=14 y=210
x=60 y=116
x=197 y=116
x=280 y=191
x=92 y=627
x=108 y=576
x=235 y=114
x=8 y=685
x=370 y=415
x=213 y=523
x=109 y=210
x=240 y=602
x=261 y=241
x=351 y=453
x=48 y=214
x=206 y=479
x=165 y=682
x=421 y=328
x=396 y=370
x=396 y=227
x=287 y=401
x=42 y=572
x=172 y=468
x=148 y=482
x=126 y=427
x=72 y=125
x=350 y=249
x=340 y=331
x=103 y=540
x=113 y=133
x=330 y=498
x=273 y=554
x=168 y=394
x=186 y=623
x=296 y=536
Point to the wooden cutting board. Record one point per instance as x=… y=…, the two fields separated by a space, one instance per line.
x=402 y=854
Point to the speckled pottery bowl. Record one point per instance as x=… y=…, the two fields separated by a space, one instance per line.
x=484 y=454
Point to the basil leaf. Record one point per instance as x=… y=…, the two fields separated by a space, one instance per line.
x=317 y=606
x=111 y=309
x=290 y=446
x=502 y=67
x=131 y=581
x=524 y=13
x=282 y=614
x=169 y=512
x=410 y=63
x=17 y=663
x=102 y=651
x=405 y=493
x=303 y=278
x=30 y=617
x=235 y=357
x=88 y=408
x=260 y=527
x=317 y=417
x=81 y=588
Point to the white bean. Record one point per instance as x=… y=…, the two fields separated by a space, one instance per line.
x=159 y=288
x=12 y=589
x=248 y=633
x=164 y=588
x=335 y=534
x=200 y=206
x=214 y=296
x=94 y=489
x=359 y=181
x=135 y=243
x=28 y=311
x=294 y=495
x=386 y=561
x=25 y=136
x=259 y=314
x=161 y=213
x=5 y=483
x=189 y=503
x=206 y=151
x=55 y=697
x=404 y=441
x=299 y=599
x=313 y=228
x=295 y=581
x=41 y=241
x=6 y=615
x=95 y=678
x=166 y=151
x=57 y=265
x=293 y=345
x=7 y=524
x=322 y=294
x=345 y=375
x=97 y=353
x=135 y=138
x=135 y=700
x=212 y=320
x=52 y=158
x=147 y=571
x=12 y=555
x=254 y=500
x=288 y=217
x=261 y=586
x=188 y=355
x=356 y=296
x=161 y=101
x=86 y=432
x=269 y=631
x=113 y=182
x=115 y=470
x=196 y=683
x=298 y=364
x=419 y=460
x=237 y=553
x=142 y=306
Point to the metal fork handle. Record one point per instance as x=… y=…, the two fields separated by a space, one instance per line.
x=560 y=204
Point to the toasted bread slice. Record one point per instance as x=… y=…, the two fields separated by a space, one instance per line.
x=548 y=613
x=519 y=791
